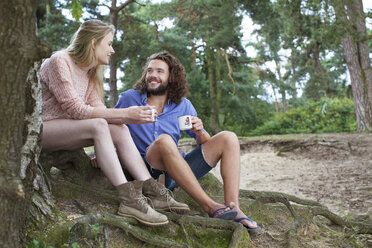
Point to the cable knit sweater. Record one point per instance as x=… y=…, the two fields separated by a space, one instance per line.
x=67 y=93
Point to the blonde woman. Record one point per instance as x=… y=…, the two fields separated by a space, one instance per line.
x=75 y=117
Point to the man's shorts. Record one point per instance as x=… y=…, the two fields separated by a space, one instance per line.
x=196 y=161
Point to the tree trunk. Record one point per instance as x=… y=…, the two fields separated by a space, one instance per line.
x=218 y=87
x=212 y=89
x=357 y=58
x=282 y=87
x=114 y=96
x=114 y=15
x=20 y=116
x=294 y=77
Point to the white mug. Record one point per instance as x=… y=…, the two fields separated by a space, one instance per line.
x=152 y=114
x=184 y=122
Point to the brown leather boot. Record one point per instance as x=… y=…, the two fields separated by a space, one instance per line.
x=134 y=204
x=161 y=197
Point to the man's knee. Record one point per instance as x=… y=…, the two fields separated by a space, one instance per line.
x=165 y=142
x=228 y=138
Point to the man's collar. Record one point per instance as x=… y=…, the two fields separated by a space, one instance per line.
x=144 y=98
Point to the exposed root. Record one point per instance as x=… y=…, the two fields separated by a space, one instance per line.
x=76 y=169
x=332 y=144
x=238 y=235
x=256 y=194
x=292 y=232
x=315 y=208
x=358 y=227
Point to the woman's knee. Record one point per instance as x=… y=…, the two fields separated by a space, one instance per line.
x=119 y=133
x=98 y=127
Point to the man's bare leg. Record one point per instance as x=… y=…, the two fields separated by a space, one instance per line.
x=225 y=147
x=163 y=154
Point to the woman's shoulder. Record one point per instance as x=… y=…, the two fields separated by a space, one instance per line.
x=61 y=55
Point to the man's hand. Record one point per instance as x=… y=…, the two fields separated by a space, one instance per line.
x=198 y=128
x=197 y=125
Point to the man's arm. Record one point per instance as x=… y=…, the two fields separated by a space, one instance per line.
x=197 y=127
x=202 y=138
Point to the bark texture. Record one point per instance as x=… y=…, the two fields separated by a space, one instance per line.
x=351 y=14
x=19 y=116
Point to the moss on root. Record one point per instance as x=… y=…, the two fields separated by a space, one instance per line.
x=91 y=221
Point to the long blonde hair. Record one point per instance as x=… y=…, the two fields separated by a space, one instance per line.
x=80 y=48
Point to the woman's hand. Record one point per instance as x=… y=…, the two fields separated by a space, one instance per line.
x=131 y=115
x=139 y=115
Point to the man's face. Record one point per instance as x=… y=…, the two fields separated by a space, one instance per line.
x=157 y=74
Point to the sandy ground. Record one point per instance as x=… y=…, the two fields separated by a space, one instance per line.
x=334 y=177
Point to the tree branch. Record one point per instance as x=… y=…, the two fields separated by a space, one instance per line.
x=230 y=70
x=125 y=4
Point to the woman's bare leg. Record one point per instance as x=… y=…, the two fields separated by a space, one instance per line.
x=65 y=134
x=128 y=153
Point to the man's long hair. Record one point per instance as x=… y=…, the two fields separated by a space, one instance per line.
x=177 y=82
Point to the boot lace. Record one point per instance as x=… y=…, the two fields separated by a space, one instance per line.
x=169 y=195
x=143 y=201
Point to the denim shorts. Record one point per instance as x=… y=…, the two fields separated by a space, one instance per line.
x=196 y=161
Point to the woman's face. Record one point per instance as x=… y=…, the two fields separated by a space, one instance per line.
x=104 y=50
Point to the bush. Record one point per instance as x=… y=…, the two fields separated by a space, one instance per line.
x=325 y=116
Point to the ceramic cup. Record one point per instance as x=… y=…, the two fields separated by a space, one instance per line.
x=152 y=114
x=184 y=122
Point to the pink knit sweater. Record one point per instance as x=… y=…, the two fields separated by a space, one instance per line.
x=67 y=93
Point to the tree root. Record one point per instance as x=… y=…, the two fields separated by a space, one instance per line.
x=239 y=232
x=70 y=167
x=314 y=207
x=292 y=232
x=332 y=144
x=251 y=194
x=358 y=227
x=124 y=223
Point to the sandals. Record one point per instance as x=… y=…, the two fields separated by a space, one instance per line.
x=248 y=228
x=227 y=215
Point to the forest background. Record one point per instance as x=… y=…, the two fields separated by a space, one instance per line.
x=312 y=45
x=296 y=80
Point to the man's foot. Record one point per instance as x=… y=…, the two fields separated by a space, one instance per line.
x=248 y=223
x=224 y=212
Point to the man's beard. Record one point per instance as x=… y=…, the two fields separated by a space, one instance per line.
x=159 y=91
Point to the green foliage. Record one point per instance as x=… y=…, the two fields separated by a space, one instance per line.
x=57 y=30
x=76 y=9
x=203 y=31
x=326 y=115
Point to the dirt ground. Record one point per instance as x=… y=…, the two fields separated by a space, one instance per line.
x=336 y=170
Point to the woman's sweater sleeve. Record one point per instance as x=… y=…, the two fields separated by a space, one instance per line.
x=94 y=99
x=61 y=86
